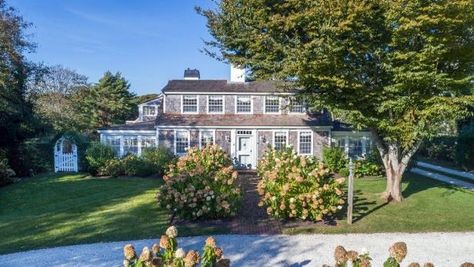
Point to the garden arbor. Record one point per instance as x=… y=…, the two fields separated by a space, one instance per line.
x=65 y=155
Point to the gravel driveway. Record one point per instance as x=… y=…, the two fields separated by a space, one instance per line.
x=442 y=249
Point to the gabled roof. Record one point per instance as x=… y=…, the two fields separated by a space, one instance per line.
x=217 y=86
x=133 y=126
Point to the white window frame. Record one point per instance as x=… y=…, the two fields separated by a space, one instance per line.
x=153 y=106
x=251 y=104
x=312 y=141
x=292 y=112
x=197 y=105
x=286 y=136
x=265 y=105
x=207 y=130
x=175 y=139
x=223 y=104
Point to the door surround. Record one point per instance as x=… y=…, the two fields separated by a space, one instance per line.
x=245 y=145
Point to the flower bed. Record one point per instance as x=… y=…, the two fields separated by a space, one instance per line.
x=293 y=186
x=202 y=184
x=167 y=254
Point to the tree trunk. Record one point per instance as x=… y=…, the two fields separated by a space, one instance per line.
x=395 y=162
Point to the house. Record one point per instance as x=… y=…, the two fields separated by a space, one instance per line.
x=242 y=117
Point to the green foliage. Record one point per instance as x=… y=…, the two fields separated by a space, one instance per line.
x=335 y=158
x=97 y=156
x=202 y=184
x=293 y=186
x=158 y=158
x=136 y=166
x=6 y=173
x=391 y=262
x=36 y=156
x=398 y=68
x=465 y=147
x=113 y=167
x=109 y=101
x=439 y=148
x=17 y=121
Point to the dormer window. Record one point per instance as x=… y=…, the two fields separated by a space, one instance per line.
x=149 y=110
x=215 y=104
x=272 y=104
x=297 y=106
x=189 y=104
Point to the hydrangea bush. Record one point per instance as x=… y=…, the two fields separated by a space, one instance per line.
x=166 y=253
x=202 y=184
x=293 y=186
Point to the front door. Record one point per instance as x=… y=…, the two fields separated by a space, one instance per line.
x=245 y=150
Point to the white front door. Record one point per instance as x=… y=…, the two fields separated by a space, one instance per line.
x=245 y=150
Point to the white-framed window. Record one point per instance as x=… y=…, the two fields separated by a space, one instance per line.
x=114 y=142
x=280 y=139
x=305 y=143
x=206 y=137
x=297 y=106
x=243 y=104
x=130 y=144
x=215 y=104
x=181 y=142
x=189 y=104
x=272 y=104
x=149 y=110
x=148 y=141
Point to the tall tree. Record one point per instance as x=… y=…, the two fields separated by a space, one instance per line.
x=16 y=117
x=399 y=68
x=53 y=93
x=109 y=101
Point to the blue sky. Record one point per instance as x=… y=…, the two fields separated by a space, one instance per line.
x=150 y=42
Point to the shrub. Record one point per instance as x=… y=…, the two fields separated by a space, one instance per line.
x=202 y=184
x=113 y=167
x=465 y=147
x=97 y=156
x=136 y=166
x=6 y=173
x=293 y=186
x=439 y=148
x=335 y=158
x=158 y=158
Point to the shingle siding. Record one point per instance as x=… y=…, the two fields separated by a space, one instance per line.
x=221 y=140
x=173 y=104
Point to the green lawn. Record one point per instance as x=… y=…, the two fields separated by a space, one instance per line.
x=53 y=210
x=428 y=206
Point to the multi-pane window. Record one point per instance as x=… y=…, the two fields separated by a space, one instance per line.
x=148 y=141
x=149 y=110
x=355 y=146
x=215 y=104
x=272 y=104
x=182 y=142
x=207 y=138
x=305 y=143
x=297 y=106
x=130 y=145
x=190 y=104
x=279 y=140
x=244 y=104
x=114 y=142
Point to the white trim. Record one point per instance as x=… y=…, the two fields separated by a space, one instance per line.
x=265 y=105
x=117 y=132
x=251 y=105
x=197 y=104
x=142 y=113
x=312 y=141
x=227 y=93
x=189 y=140
x=287 y=137
x=223 y=105
x=295 y=113
x=171 y=127
x=350 y=133
x=164 y=103
x=207 y=130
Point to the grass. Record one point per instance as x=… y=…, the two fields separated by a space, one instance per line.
x=55 y=210
x=429 y=206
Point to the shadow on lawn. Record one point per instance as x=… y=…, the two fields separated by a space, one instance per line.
x=417 y=183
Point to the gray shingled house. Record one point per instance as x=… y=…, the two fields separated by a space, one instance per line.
x=242 y=117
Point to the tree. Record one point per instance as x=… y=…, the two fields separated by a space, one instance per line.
x=53 y=93
x=16 y=116
x=109 y=101
x=398 y=68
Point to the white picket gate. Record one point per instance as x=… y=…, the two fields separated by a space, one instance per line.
x=65 y=156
